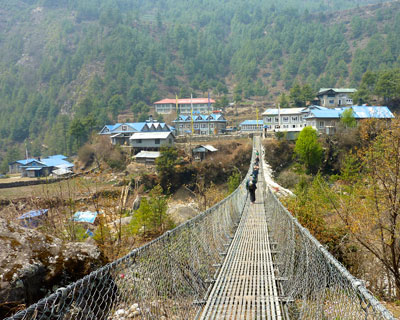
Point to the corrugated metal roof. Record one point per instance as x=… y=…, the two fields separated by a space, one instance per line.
x=24 y=162
x=132 y=127
x=185 y=101
x=210 y=148
x=365 y=112
x=148 y=154
x=359 y=112
x=85 y=216
x=201 y=117
x=33 y=213
x=61 y=171
x=338 y=90
x=56 y=162
x=313 y=107
x=328 y=113
x=151 y=135
x=284 y=111
x=251 y=122
x=58 y=156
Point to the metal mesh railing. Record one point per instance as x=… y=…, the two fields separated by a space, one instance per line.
x=160 y=280
x=315 y=284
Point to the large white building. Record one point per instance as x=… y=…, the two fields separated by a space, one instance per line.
x=151 y=140
x=324 y=120
x=200 y=105
x=284 y=119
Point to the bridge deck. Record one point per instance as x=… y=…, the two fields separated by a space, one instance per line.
x=246 y=285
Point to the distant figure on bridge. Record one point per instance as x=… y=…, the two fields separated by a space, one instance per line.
x=251 y=186
x=257 y=161
x=255 y=172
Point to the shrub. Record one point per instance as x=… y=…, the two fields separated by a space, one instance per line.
x=279 y=154
x=308 y=149
x=149 y=181
x=288 y=179
x=86 y=155
x=233 y=182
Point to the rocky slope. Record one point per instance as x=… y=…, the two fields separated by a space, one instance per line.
x=32 y=263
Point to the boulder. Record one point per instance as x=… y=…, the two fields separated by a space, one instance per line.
x=33 y=264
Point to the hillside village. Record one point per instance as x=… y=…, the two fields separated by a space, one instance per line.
x=199 y=117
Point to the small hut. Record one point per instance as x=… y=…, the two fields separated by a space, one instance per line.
x=201 y=152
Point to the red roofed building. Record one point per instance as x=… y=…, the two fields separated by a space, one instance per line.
x=200 y=105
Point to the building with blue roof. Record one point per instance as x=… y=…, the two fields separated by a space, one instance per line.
x=251 y=126
x=203 y=124
x=120 y=133
x=327 y=120
x=40 y=167
x=320 y=118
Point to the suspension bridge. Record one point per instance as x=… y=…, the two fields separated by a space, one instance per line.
x=236 y=260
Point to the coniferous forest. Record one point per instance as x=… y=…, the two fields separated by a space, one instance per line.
x=69 y=67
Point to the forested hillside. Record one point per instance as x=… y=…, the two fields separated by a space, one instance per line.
x=68 y=67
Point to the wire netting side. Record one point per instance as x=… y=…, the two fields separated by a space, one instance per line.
x=317 y=285
x=162 y=279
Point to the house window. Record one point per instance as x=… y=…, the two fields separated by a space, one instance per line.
x=203 y=125
x=276 y=119
x=285 y=119
x=211 y=125
x=321 y=124
x=331 y=101
x=196 y=126
x=294 y=119
x=181 y=126
x=294 y=126
x=138 y=140
x=269 y=119
x=285 y=126
x=157 y=141
x=124 y=128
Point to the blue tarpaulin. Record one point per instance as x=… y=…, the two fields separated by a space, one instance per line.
x=33 y=217
x=85 y=216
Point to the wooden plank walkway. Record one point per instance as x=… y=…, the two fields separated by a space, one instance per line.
x=246 y=285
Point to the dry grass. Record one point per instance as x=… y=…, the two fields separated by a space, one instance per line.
x=393 y=307
x=54 y=189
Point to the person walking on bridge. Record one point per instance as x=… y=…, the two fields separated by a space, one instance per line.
x=256 y=168
x=251 y=186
